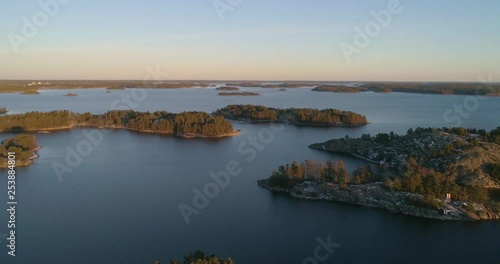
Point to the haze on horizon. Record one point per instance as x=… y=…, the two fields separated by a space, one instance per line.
x=254 y=40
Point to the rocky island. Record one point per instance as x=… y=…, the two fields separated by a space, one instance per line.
x=446 y=174
x=24 y=147
x=296 y=116
x=3 y=111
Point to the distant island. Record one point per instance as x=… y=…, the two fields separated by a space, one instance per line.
x=238 y=94
x=3 y=111
x=186 y=124
x=297 y=116
x=24 y=147
x=227 y=88
x=446 y=174
x=282 y=90
x=244 y=84
x=288 y=85
x=489 y=89
x=30 y=92
x=71 y=94
x=421 y=88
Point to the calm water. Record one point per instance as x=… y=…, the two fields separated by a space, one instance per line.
x=120 y=205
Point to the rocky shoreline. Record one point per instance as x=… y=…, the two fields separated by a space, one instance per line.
x=376 y=196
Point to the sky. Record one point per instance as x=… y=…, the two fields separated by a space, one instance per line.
x=425 y=40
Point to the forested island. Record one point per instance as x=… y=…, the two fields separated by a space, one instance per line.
x=24 y=147
x=71 y=94
x=238 y=94
x=186 y=124
x=30 y=92
x=227 y=88
x=422 y=88
x=297 y=116
x=411 y=174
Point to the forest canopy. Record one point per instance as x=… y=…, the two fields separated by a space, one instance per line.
x=301 y=116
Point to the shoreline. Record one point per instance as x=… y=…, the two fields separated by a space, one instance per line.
x=373 y=195
x=27 y=162
x=53 y=129
x=248 y=121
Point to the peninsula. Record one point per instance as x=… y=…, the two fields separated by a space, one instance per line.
x=446 y=174
x=24 y=147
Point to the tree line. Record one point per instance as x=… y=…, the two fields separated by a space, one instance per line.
x=259 y=113
x=198 y=123
x=415 y=179
x=286 y=176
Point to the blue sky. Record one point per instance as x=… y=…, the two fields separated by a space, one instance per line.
x=257 y=40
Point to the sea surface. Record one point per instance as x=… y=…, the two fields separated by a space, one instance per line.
x=119 y=203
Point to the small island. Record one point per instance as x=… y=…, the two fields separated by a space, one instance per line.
x=3 y=110
x=228 y=88
x=296 y=116
x=245 y=84
x=24 y=147
x=445 y=174
x=288 y=85
x=239 y=94
x=71 y=94
x=30 y=92
x=186 y=124
x=282 y=90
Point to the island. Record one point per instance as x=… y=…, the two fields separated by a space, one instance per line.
x=282 y=90
x=445 y=174
x=24 y=148
x=296 y=116
x=238 y=94
x=441 y=88
x=30 y=92
x=185 y=124
x=227 y=88
x=244 y=84
x=480 y=89
x=289 y=85
x=71 y=94
x=3 y=110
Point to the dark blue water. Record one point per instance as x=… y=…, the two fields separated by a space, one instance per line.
x=120 y=204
